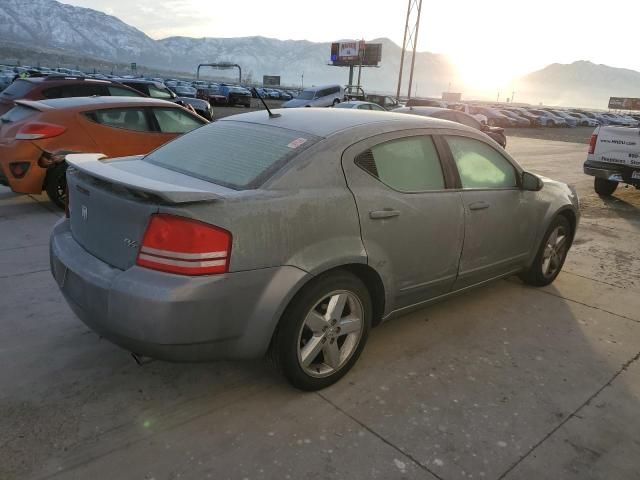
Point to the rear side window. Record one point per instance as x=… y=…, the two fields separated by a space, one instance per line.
x=233 y=154
x=77 y=90
x=174 y=120
x=125 y=118
x=408 y=164
x=18 y=113
x=18 y=89
x=480 y=165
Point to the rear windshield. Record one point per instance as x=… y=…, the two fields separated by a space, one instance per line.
x=17 y=114
x=233 y=154
x=17 y=89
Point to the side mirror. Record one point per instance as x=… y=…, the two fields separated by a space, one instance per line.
x=531 y=182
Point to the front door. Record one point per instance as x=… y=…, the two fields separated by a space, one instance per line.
x=412 y=224
x=498 y=228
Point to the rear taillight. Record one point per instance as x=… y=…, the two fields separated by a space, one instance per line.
x=180 y=245
x=592 y=144
x=19 y=169
x=39 y=131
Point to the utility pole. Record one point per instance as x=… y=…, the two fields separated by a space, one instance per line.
x=410 y=40
x=302 y=82
x=513 y=95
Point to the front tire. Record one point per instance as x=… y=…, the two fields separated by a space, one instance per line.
x=335 y=102
x=604 y=187
x=323 y=331
x=56 y=184
x=551 y=254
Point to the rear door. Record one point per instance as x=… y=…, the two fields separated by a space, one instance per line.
x=499 y=226
x=124 y=131
x=412 y=224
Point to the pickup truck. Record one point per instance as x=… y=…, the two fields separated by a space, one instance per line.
x=614 y=157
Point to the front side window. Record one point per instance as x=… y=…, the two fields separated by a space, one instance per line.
x=125 y=118
x=174 y=120
x=407 y=165
x=123 y=92
x=481 y=166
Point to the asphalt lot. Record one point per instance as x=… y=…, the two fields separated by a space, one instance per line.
x=507 y=381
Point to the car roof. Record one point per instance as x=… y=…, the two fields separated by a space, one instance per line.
x=54 y=79
x=324 y=122
x=136 y=80
x=422 y=110
x=94 y=102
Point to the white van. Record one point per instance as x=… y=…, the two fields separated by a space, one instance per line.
x=322 y=96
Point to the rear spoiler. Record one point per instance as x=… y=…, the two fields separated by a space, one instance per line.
x=190 y=190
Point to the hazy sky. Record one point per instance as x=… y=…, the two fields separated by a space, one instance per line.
x=490 y=41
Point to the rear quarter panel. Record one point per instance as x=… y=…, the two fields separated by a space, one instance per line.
x=305 y=217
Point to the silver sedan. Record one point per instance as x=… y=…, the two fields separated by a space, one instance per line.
x=296 y=234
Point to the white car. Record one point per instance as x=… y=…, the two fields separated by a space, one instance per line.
x=583 y=120
x=463 y=107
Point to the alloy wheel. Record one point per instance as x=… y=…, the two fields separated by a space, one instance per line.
x=554 y=251
x=330 y=333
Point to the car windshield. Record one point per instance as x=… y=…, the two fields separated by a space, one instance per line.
x=158 y=92
x=18 y=113
x=17 y=89
x=307 y=95
x=233 y=154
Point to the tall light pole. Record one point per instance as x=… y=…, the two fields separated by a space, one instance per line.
x=302 y=81
x=411 y=28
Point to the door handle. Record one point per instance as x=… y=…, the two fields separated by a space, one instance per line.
x=478 y=205
x=382 y=214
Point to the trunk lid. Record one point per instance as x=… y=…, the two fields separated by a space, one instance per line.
x=110 y=202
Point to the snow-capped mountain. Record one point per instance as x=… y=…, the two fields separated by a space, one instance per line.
x=52 y=33
x=47 y=24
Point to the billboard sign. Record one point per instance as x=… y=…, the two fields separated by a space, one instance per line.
x=354 y=52
x=271 y=80
x=624 y=103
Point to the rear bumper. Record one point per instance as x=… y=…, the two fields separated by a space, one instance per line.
x=22 y=151
x=612 y=172
x=172 y=317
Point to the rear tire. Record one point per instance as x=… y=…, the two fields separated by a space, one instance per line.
x=604 y=187
x=329 y=317
x=551 y=254
x=56 y=184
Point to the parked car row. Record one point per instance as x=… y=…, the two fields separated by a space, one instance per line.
x=506 y=115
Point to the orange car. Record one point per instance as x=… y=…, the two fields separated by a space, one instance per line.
x=35 y=136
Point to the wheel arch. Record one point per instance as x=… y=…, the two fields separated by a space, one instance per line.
x=364 y=272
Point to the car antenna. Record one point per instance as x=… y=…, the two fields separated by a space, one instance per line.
x=271 y=114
